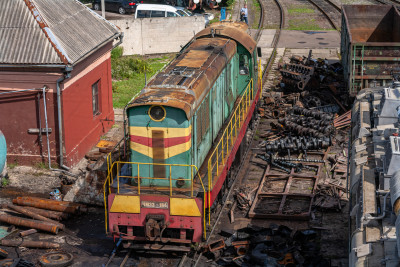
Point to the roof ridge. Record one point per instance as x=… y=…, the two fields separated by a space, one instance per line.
x=48 y=33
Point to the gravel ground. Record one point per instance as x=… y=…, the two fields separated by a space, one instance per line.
x=301 y=15
x=271 y=15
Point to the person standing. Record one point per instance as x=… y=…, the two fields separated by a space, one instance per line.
x=243 y=14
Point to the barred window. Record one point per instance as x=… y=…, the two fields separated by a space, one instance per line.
x=203 y=120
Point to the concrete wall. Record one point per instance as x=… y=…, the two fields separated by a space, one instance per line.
x=158 y=35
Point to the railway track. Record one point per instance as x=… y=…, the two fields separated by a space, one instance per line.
x=196 y=259
x=396 y=3
x=331 y=11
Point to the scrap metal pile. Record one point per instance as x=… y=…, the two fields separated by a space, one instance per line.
x=33 y=215
x=273 y=246
x=317 y=80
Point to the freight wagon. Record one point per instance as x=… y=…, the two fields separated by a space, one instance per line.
x=370 y=45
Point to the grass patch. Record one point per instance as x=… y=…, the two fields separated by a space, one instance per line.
x=128 y=73
x=41 y=165
x=300 y=10
x=303 y=25
x=257 y=13
x=12 y=165
x=4 y=182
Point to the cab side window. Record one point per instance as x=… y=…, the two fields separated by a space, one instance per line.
x=143 y=14
x=171 y=14
x=157 y=14
x=243 y=65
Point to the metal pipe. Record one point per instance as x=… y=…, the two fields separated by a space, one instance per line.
x=48 y=204
x=34 y=215
x=40 y=126
x=121 y=38
x=18 y=221
x=20 y=91
x=369 y=217
x=56 y=215
x=29 y=244
x=60 y=136
x=27 y=232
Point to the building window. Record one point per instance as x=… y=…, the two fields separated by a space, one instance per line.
x=95 y=98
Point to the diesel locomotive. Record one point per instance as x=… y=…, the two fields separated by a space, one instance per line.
x=185 y=130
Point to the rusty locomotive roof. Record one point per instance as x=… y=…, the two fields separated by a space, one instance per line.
x=187 y=79
x=232 y=30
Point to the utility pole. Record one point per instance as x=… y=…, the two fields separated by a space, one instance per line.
x=103 y=10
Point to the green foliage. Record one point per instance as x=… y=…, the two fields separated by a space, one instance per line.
x=4 y=182
x=117 y=53
x=41 y=165
x=304 y=25
x=126 y=67
x=125 y=89
x=300 y=10
x=229 y=4
x=12 y=165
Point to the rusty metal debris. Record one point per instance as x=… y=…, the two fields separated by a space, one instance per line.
x=27 y=232
x=34 y=215
x=343 y=120
x=56 y=215
x=273 y=246
x=56 y=258
x=62 y=206
x=287 y=195
x=40 y=225
x=29 y=244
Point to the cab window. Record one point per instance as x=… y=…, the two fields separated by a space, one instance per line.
x=143 y=14
x=157 y=14
x=243 y=65
x=171 y=14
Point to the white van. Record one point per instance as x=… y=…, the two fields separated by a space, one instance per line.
x=158 y=11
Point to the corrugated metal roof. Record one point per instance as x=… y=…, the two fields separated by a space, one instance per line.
x=21 y=38
x=50 y=31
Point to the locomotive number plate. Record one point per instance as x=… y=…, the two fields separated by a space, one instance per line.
x=154 y=204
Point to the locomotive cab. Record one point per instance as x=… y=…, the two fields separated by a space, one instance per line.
x=159 y=136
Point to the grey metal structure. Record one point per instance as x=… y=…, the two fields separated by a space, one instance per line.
x=50 y=32
x=374 y=168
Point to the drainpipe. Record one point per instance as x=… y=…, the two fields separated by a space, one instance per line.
x=121 y=38
x=60 y=130
x=48 y=140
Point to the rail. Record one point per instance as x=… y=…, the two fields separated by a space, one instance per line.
x=114 y=176
x=222 y=149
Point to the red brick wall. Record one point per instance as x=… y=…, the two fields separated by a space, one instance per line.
x=19 y=112
x=82 y=129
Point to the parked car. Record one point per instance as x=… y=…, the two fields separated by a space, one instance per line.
x=158 y=11
x=120 y=6
x=207 y=16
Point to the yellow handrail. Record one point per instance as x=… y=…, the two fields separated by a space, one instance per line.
x=236 y=121
x=110 y=179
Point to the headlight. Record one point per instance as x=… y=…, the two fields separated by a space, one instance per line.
x=157 y=113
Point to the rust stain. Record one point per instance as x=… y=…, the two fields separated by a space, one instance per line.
x=185 y=82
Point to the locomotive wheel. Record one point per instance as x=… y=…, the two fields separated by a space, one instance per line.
x=56 y=259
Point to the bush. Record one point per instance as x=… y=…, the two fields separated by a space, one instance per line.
x=126 y=67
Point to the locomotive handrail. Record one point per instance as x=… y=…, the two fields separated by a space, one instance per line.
x=228 y=136
x=110 y=180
